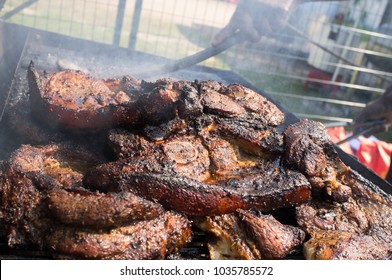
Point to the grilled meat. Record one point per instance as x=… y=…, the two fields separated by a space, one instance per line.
x=345 y=245
x=153 y=239
x=309 y=149
x=219 y=104
x=273 y=239
x=98 y=210
x=245 y=235
x=42 y=194
x=27 y=176
x=206 y=150
x=20 y=209
x=263 y=110
x=226 y=238
x=74 y=100
x=199 y=173
x=159 y=100
x=354 y=222
x=359 y=228
x=252 y=136
x=60 y=164
x=204 y=163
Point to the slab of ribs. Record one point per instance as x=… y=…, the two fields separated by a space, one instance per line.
x=126 y=169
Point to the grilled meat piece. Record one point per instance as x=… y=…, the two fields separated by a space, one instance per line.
x=44 y=203
x=226 y=238
x=355 y=221
x=153 y=239
x=154 y=181
x=273 y=239
x=245 y=235
x=204 y=164
x=236 y=101
x=252 y=136
x=96 y=210
x=73 y=100
x=27 y=176
x=21 y=209
x=186 y=152
x=198 y=199
x=186 y=176
x=159 y=100
x=309 y=149
x=345 y=245
x=52 y=165
x=219 y=104
x=263 y=110
x=125 y=144
x=359 y=228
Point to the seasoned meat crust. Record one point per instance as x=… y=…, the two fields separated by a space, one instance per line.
x=309 y=149
x=273 y=239
x=359 y=228
x=198 y=176
x=44 y=203
x=74 y=100
x=180 y=156
x=28 y=175
x=246 y=235
x=203 y=162
x=153 y=239
x=98 y=210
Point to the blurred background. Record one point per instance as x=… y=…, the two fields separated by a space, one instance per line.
x=307 y=80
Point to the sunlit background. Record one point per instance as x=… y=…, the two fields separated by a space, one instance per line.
x=301 y=76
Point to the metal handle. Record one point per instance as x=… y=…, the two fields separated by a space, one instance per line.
x=193 y=59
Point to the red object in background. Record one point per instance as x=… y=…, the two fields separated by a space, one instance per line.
x=374 y=154
x=339 y=133
x=314 y=77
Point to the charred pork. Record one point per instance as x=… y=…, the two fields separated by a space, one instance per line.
x=359 y=228
x=74 y=100
x=209 y=151
x=247 y=235
x=44 y=203
x=153 y=239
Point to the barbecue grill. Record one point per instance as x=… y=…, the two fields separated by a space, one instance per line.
x=47 y=49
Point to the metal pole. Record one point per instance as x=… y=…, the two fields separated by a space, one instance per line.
x=348 y=42
x=17 y=9
x=119 y=22
x=135 y=24
x=301 y=34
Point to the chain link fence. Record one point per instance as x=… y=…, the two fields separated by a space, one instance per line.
x=331 y=60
